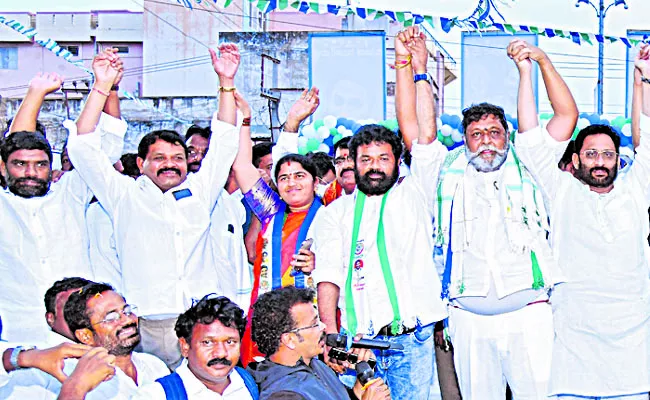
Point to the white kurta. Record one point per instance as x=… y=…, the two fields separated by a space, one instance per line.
x=163 y=243
x=103 y=252
x=602 y=312
x=409 y=244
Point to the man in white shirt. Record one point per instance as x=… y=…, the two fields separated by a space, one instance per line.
x=599 y=230
x=490 y=232
x=210 y=337
x=373 y=251
x=161 y=220
x=43 y=235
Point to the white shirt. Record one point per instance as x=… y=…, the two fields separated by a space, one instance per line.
x=34 y=384
x=227 y=235
x=601 y=314
x=103 y=252
x=43 y=239
x=409 y=244
x=195 y=389
x=163 y=244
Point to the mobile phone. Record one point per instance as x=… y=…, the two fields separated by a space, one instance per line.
x=306 y=245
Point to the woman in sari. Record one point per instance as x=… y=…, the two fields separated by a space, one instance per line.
x=283 y=257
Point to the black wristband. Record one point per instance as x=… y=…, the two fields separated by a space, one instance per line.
x=115 y=88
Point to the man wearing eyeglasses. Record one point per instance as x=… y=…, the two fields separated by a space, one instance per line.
x=599 y=230
x=288 y=330
x=209 y=334
x=345 y=182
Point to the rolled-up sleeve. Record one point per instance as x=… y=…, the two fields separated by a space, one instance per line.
x=427 y=160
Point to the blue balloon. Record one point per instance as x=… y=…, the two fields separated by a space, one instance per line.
x=329 y=141
x=445 y=118
x=455 y=122
x=355 y=127
x=345 y=122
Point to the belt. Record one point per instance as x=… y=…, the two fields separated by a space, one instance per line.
x=386 y=331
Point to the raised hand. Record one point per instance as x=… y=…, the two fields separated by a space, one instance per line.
x=642 y=61
x=520 y=52
x=419 y=53
x=305 y=106
x=242 y=104
x=106 y=67
x=227 y=62
x=116 y=62
x=45 y=83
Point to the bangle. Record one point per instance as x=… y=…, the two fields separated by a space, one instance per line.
x=227 y=89
x=645 y=80
x=246 y=121
x=103 y=93
x=115 y=88
x=399 y=64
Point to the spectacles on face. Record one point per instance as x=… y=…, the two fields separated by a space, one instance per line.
x=115 y=316
x=340 y=160
x=593 y=154
x=323 y=181
x=316 y=325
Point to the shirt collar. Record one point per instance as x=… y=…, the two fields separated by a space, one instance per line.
x=194 y=386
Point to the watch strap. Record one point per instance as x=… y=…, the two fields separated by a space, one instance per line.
x=13 y=358
x=645 y=80
x=421 y=77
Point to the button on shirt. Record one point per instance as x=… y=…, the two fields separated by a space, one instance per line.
x=601 y=317
x=409 y=244
x=162 y=242
x=195 y=389
x=43 y=239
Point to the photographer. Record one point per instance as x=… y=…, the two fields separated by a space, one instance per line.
x=287 y=329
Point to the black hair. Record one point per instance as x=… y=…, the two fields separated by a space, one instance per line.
x=197 y=130
x=597 y=129
x=24 y=141
x=567 y=157
x=476 y=112
x=168 y=136
x=323 y=163
x=208 y=310
x=344 y=143
x=260 y=150
x=374 y=133
x=61 y=286
x=130 y=164
x=76 y=308
x=272 y=316
x=306 y=163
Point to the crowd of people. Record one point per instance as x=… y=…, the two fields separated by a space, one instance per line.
x=206 y=266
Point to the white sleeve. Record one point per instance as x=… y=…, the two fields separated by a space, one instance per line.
x=640 y=168
x=104 y=261
x=329 y=247
x=427 y=160
x=152 y=391
x=287 y=144
x=95 y=168
x=211 y=178
x=112 y=131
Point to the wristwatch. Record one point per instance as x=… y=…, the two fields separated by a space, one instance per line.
x=645 y=80
x=13 y=358
x=422 y=77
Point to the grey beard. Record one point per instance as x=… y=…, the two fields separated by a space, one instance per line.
x=484 y=166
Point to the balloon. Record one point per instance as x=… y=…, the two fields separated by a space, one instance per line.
x=329 y=121
x=330 y=140
x=322 y=132
x=302 y=150
x=455 y=122
x=439 y=123
x=324 y=148
x=342 y=122
x=333 y=131
x=446 y=130
x=444 y=118
x=626 y=130
x=583 y=123
x=318 y=123
x=312 y=144
x=355 y=127
x=456 y=136
x=348 y=133
x=448 y=141
x=302 y=141
x=336 y=138
x=308 y=131
x=341 y=129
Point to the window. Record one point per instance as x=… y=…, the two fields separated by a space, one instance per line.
x=8 y=58
x=74 y=50
x=122 y=49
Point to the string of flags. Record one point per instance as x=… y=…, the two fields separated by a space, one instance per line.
x=479 y=21
x=51 y=45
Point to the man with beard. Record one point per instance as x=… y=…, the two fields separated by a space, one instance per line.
x=344 y=168
x=161 y=220
x=599 y=227
x=100 y=319
x=373 y=253
x=287 y=329
x=209 y=334
x=490 y=233
x=44 y=236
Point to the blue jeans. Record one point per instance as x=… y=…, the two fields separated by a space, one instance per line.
x=409 y=372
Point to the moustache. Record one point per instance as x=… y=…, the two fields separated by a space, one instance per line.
x=594 y=169
x=375 y=171
x=222 y=361
x=176 y=170
x=347 y=170
x=488 y=147
x=36 y=180
x=129 y=326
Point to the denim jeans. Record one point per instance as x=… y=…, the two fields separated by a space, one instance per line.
x=409 y=372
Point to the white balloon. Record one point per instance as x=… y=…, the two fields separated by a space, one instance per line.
x=302 y=141
x=446 y=130
x=456 y=136
x=583 y=123
x=341 y=129
x=438 y=122
x=324 y=148
x=323 y=132
x=308 y=131
x=510 y=127
x=627 y=130
x=330 y=121
x=347 y=133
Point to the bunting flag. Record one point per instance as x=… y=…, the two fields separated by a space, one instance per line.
x=480 y=20
x=53 y=46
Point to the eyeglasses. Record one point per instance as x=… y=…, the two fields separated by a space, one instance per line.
x=592 y=154
x=323 y=181
x=340 y=160
x=317 y=324
x=115 y=316
x=195 y=152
